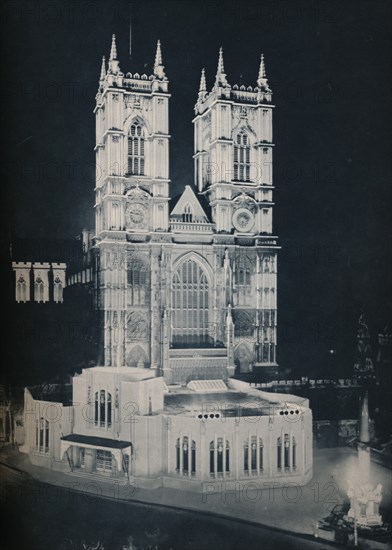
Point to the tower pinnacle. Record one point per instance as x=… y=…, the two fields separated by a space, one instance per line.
x=103 y=69
x=158 y=55
x=220 y=79
x=262 y=81
x=113 y=49
x=113 y=61
x=203 y=86
x=159 y=69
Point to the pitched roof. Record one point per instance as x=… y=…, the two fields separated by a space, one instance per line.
x=188 y=197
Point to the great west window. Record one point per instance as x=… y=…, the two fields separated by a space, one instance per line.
x=190 y=296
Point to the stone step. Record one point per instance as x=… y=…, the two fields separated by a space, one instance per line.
x=95 y=476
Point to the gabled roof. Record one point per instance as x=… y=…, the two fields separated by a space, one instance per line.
x=188 y=197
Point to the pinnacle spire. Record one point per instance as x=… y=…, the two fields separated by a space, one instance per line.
x=114 y=67
x=220 y=78
x=203 y=86
x=158 y=55
x=262 y=81
x=159 y=69
x=221 y=68
x=113 y=50
x=103 y=69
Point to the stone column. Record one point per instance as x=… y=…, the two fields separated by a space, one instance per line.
x=224 y=455
x=215 y=455
x=181 y=453
x=116 y=465
x=236 y=449
x=76 y=456
x=202 y=453
x=90 y=460
x=155 y=320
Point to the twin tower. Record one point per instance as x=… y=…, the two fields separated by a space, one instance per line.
x=185 y=286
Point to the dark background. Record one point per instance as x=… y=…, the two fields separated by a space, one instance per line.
x=328 y=64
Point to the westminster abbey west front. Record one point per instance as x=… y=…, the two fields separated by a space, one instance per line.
x=186 y=293
x=186 y=287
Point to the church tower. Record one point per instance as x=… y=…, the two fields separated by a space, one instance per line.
x=132 y=194
x=233 y=151
x=233 y=170
x=190 y=293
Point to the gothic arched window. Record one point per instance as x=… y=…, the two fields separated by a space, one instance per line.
x=190 y=296
x=42 y=435
x=103 y=409
x=136 y=142
x=219 y=458
x=243 y=280
x=294 y=448
x=286 y=452
x=39 y=289
x=253 y=455
x=139 y=282
x=21 y=290
x=279 y=453
x=185 y=457
x=243 y=324
x=241 y=157
x=57 y=290
x=137 y=357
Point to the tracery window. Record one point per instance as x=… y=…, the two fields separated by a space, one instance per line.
x=136 y=142
x=21 y=290
x=39 y=289
x=219 y=458
x=286 y=453
x=185 y=457
x=139 y=282
x=279 y=453
x=190 y=295
x=42 y=435
x=253 y=455
x=294 y=449
x=57 y=290
x=103 y=409
x=243 y=324
x=242 y=157
x=243 y=280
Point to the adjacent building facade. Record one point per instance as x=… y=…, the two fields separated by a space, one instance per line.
x=126 y=424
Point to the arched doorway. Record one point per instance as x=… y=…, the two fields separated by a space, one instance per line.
x=137 y=358
x=243 y=358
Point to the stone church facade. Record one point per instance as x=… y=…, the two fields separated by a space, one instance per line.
x=185 y=287
x=186 y=295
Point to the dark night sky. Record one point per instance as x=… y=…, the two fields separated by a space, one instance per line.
x=329 y=66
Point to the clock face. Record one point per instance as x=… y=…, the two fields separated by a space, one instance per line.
x=136 y=215
x=243 y=220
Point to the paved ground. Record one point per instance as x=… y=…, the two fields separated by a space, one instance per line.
x=295 y=509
